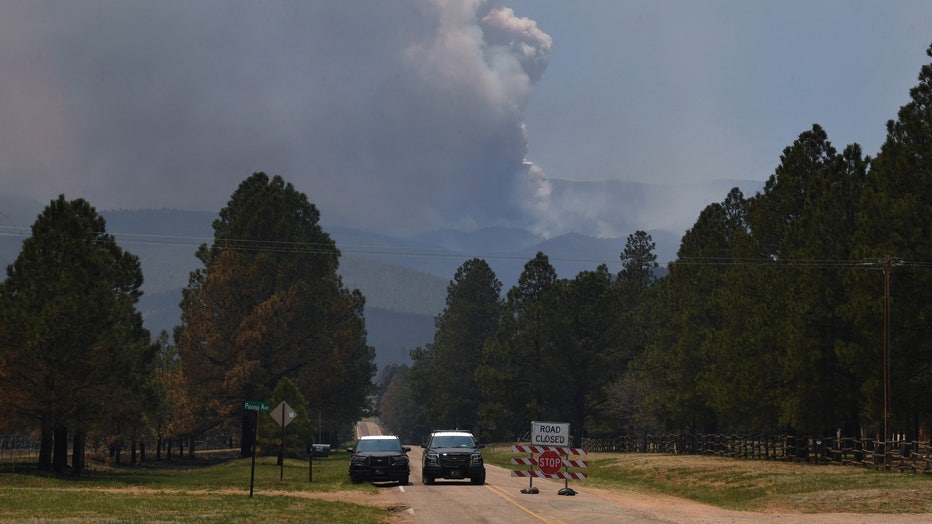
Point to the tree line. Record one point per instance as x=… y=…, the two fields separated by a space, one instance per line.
x=803 y=309
x=266 y=317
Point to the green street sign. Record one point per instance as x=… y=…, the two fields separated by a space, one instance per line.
x=256 y=406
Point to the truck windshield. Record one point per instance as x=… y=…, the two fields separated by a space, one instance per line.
x=382 y=444
x=453 y=441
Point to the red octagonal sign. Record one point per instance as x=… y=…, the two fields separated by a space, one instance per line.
x=549 y=462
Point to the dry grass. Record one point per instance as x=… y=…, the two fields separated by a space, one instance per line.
x=756 y=485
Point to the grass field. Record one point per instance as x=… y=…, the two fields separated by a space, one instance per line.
x=753 y=485
x=203 y=490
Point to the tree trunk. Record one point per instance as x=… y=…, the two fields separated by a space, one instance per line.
x=168 y=451
x=132 y=451
x=78 y=450
x=579 y=410
x=142 y=451
x=45 y=446
x=60 y=451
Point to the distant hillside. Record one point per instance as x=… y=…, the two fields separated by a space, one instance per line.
x=394 y=334
x=394 y=288
x=404 y=280
x=165 y=240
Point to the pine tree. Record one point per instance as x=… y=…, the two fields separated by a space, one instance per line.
x=267 y=304
x=76 y=355
x=894 y=221
x=443 y=374
x=511 y=373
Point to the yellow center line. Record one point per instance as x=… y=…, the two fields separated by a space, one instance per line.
x=501 y=492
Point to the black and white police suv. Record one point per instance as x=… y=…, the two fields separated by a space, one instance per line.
x=452 y=455
x=379 y=458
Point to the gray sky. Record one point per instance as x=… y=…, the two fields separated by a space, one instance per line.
x=409 y=115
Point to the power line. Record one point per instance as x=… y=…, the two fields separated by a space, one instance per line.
x=794 y=262
x=253 y=245
x=390 y=250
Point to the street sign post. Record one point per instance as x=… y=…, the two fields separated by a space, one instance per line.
x=283 y=414
x=257 y=407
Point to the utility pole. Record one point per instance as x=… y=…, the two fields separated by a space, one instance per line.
x=887 y=263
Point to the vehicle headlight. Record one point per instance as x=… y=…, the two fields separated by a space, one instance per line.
x=433 y=458
x=475 y=459
x=400 y=461
x=359 y=461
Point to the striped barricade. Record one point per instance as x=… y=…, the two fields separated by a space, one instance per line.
x=567 y=463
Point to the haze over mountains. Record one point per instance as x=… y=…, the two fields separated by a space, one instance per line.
x=404 y=279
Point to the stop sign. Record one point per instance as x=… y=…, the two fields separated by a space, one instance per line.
x=549 y=462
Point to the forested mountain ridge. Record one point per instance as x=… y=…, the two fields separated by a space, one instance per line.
x=404 y=280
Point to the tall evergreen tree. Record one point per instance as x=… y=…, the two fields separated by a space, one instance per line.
x=582 y=357
x=638 y=262
x=821 y=390
x=443 y=374
x=631 y=302
x=750 y=324
x=75 y=352
x=803 y=223
x=511 y=375
x=769 y=344
x=267 y=304
x=684 y=314
x=894 y=221
x=635 y=280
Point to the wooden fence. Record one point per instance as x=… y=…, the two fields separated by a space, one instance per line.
x=902 y=455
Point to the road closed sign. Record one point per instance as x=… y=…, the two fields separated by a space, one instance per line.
x=550 y=433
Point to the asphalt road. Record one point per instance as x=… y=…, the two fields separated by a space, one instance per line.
x=367 y=429
x=501 y=500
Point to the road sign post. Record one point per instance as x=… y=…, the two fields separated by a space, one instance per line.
x=255 y=438
x=283 y=414
x=256 y=407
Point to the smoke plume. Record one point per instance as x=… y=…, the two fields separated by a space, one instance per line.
x=399 y=116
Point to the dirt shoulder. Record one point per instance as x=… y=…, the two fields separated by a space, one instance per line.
x=652 y=507
x=660 y=508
